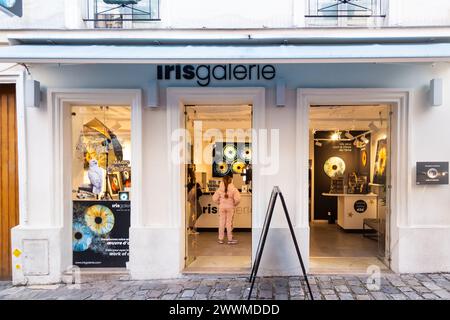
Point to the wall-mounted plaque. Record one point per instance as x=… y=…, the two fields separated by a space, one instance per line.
x=432 y=173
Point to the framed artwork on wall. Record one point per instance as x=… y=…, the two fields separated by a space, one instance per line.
x=379 y=176
x=231 y=158
x=126 y=178
x=114 y=183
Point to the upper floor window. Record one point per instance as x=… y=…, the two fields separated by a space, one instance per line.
x=345 y=12
x=121 y=13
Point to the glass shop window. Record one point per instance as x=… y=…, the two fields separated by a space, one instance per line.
x=101 y=185
x=102 y=152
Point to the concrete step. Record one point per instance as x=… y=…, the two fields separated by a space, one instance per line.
x=78 y=275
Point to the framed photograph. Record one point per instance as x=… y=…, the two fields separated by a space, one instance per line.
x=126 y=178
x=114 y=183
x=380 y=162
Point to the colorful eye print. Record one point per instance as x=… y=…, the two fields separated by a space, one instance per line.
x=238 y=166
x=230 y=152
x=99 y=219
x=81 y=237
x=364 y=158
x=222 y=168
x=245 y=153
x=334 y=167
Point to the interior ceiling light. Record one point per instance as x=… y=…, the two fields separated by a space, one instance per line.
x=318 y=143
x=364 y=139
x=348 y=135
x=336 y=136
x=373 y=127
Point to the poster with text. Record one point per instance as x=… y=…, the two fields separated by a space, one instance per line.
x=100 y=234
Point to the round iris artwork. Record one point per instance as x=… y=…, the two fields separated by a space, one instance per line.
x=82 y=237
x=99 y=219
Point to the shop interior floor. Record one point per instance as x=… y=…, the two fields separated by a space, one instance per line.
x=329 y=240
x=345 y=265
x=205 y=244
x=212 y=257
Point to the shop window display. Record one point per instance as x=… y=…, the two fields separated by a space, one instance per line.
x=101 y=184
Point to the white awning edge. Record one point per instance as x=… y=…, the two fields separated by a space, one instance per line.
x=234 y=54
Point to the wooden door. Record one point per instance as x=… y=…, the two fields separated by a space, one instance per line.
x=9 y=204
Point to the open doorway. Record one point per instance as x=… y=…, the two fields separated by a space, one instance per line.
x=349 y=187
x=220 y=145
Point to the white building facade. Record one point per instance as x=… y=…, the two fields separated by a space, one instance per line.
x=387 y=54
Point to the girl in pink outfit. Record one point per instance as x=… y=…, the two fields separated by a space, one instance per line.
x=227 y=197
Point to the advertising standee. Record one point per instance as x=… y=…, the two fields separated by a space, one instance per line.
x=101 y=234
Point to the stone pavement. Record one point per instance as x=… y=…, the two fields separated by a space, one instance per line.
x=332 y=287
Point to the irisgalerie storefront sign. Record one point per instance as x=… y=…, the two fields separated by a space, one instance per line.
x=203 y=74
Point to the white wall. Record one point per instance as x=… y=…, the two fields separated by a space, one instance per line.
x=428 y=217
x=419 y=13
x=37 y=14
x=68 y=14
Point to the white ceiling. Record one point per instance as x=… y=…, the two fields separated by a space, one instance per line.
x=116 y=118
x=220 y=117
x=348 y=117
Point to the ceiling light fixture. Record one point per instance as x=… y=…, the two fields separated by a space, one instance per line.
x=336 y=136
x=373 y=127
x=318 y=143
x=348 y=135
x=365 y=140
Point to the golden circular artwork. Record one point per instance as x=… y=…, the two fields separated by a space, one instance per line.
x=238 y=166
x=99 y=219
x=222 y=167
x=334 y=167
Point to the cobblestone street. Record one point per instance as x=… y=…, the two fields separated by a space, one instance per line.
x=393 y=287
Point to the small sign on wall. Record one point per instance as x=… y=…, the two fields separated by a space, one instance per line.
x=360 y=206
x=429 y=173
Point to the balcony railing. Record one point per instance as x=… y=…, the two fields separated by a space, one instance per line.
x=346 y=8
x=113 y=13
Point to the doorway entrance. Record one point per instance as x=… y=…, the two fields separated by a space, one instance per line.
x=349 y=187
x=9 y=186
x=219 y=144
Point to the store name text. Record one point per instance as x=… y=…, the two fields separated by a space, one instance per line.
x=204 y=74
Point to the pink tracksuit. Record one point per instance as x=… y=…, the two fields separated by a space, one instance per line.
x=226 y=208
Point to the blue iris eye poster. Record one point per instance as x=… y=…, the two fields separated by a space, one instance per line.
x=100 y=234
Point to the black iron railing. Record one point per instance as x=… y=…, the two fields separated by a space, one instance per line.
x=113 y=13
x=346 y=8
